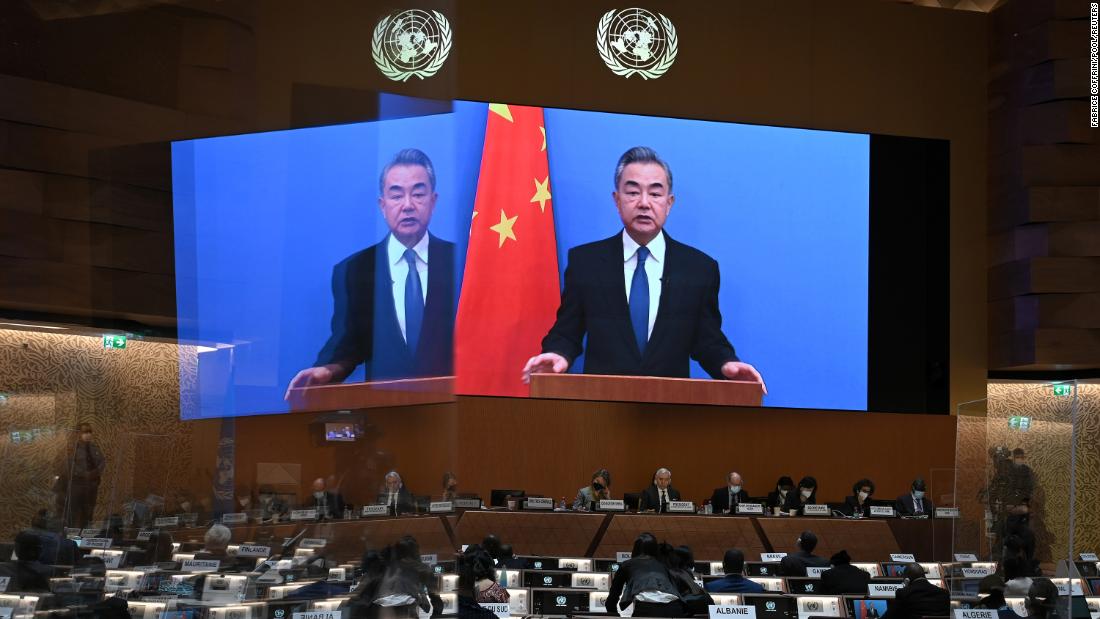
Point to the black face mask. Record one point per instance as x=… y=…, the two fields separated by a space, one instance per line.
x=598 y=487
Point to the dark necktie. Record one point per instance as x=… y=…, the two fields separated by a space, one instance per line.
x=414 y=302
x=639 y=301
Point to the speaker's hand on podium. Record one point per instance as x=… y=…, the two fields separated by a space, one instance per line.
x=736 y=370
x=547 y=362
x=308 y=377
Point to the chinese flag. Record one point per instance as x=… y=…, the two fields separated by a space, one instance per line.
x=510 y=291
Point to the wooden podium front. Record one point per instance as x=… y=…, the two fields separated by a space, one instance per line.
x=373 y=394
x=606 y=388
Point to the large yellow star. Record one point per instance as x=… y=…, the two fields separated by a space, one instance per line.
x=542 y=193
x=504 y=228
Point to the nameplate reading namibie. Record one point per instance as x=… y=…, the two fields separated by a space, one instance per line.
x=611 y=505
x=718 y=611
x=248 y=550
x=815 y=509
x=883 y=590
x=199 y=565
x=904 y=556
x=303 y=514
x=539 y=503
x=235 y=518
x=376 y=510
x=167 y=521
x=965 y=557
x=882 y=511
x=750 y=508
x=441 y=507
x=772 y=557
x=681 y=507
x=976 y=572
x=467 y=503
x=947 y=512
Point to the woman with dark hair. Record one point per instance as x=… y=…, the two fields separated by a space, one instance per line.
x=778 y=497
x=644 y=581
x=806 y=495
x=599 y=488
x=859 y=504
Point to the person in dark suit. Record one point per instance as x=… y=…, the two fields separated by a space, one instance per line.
x=733 y=564
x=859 y=504
x=918 y=598
x=396 y=495
x=914 y=503
x=778 y=497
x=394 y=302
x=806 y=495
x=795 y=564
x=646 y=302
x=725 y=499
x=659 y=494
x=329 y=504
x=843 y=578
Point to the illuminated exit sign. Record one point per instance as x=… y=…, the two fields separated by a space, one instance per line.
x=114 y=342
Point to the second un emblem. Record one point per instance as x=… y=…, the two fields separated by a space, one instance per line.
x=636 y=42
x=413 y=42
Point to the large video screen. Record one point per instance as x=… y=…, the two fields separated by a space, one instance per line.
x=484 y=240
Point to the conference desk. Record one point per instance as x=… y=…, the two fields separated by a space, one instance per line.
x=583 y=534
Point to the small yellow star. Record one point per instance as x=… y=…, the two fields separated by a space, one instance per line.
x=542 y=193
x=504 y=228
x=543 y=130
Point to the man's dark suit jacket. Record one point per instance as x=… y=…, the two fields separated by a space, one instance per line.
x=843 y=579
x=594 y=303
x=651 y=499
x=720 y=500
x=364 y=321
x=905 y=506
x=919 y=598
x=795 y=563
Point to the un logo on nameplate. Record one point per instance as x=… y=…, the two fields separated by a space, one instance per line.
x=636 y=42
x=411 y=43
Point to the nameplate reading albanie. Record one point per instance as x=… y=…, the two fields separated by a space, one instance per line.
x=905 y=556
x=772 y=557
x=248 y=550
x=750 y=508
x=199 y=565
x=815 y=572
x=1089 y=556
x=883 y=590
x=947 y=512
x=975 y=613
x=467 y=503
x=375 y=510
x=95 y=542
x=539 y=503
x=441 y=507
x=882 y=511
x=681 y=507
x=611 y=505
x=303 y=514
x=235 y=518
x=313 y=542
x=730 y=610
x=815 y=509
x=500 y=610
x=167 y=521
x=965 y=557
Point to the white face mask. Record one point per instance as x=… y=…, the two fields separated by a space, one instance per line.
x=735 y=489
x=319 y=494
x=806 y=493
x=918 y=494
x=863 y=495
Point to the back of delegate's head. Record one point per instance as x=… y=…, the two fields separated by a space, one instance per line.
x=641 y=154
x=407 y=157
x=734 y=561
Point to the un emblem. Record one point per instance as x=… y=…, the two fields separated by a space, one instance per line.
x=412 y=43
x=635 y=41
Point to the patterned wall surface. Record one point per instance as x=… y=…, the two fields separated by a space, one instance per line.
x=1047 y=440
x=51 y=382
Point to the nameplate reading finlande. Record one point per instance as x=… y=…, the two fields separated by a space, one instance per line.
x=167 y=521
x=884 y=590
x=772 y=557
x=882 y=510
x=905 y=556
x=976 y=572
x=815 y=572
x=1089 y=556
x=303 y=514
x=729 y=610
x=681 y=507
x=750 y=508
x=947 y=512
x=975 y=613
x=966 y=557
x=376 y=510
x=199 y=565
x=815 y=509
x=539 y=503
x=611 y=505
x=248 y=550
x=441 y=507
x=235 y=518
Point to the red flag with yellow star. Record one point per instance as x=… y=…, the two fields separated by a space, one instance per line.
x=510 y=290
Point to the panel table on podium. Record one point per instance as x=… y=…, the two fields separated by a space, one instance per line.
x=533 y=533
x=373 y=394
x=605 y=388
x=708 y=536
x=865 y=540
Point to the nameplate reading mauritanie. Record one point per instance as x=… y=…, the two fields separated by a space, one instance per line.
x=750 y=508
x=815 y=509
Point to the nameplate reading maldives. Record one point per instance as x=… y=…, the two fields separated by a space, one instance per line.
x=908 y=557
x=95 y=542
x=376 y=510
x=815 y=572
x=681 y=507
x=772 y=557
x=235 y=518
x=966 y=557
x=441 y=507
x=947 y=512
x=812 y=509
x=976 y=572
x=303 y=514
x=248 y=550
x=882 y=510
x=313 y=542
x=611 y=505
x=200 y=565
x=730 y=610
x=539 y=503
x=500 y=610
x=467 y=503
x=167 y=521
x=1089 y=556
x=975 y=613
x=750 y=508
x=884 y=590
x=318 y=614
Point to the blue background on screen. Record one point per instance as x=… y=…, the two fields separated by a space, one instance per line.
x=261 y=219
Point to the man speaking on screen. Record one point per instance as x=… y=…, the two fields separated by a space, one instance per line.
x=646 y=302
x=394 y=301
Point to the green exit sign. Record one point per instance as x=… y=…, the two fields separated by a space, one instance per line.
x=1063 y=390
x=115 y=342
x=1022 y=424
